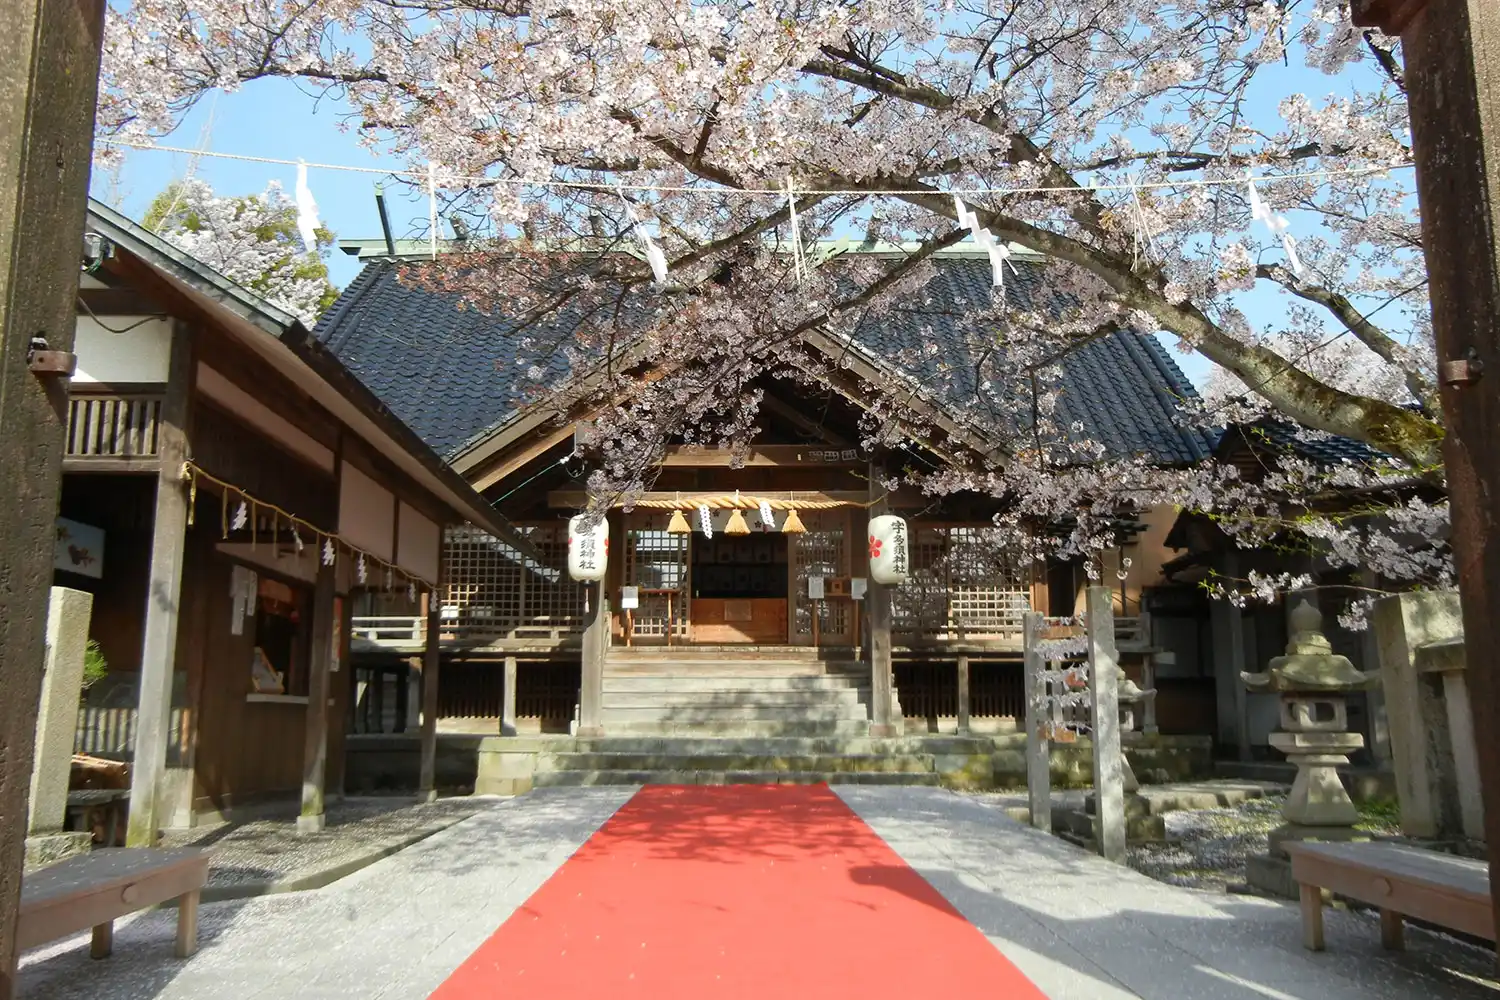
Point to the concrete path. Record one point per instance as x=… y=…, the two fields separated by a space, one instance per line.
x=1080 y=928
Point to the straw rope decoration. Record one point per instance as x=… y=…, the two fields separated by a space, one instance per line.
x=192 y=473
x=744 y=501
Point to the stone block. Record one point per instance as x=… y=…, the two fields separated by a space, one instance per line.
x=508 y=764
x=50 y=848
x=965 y=771
x=68 y=614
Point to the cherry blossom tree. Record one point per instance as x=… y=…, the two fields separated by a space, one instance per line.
x=1115 y=140
x=251 y=239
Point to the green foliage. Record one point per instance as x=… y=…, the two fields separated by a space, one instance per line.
x=176 y=208
x=95 y=666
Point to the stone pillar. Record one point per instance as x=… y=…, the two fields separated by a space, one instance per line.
x=963 y=695
x=595 y=648
x=1431 y=738
x=313 y=817
x=1109 y=762
x=1038 y=746
x=508 y=706
x=57 y=715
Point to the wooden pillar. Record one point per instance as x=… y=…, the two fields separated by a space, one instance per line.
x=508 y=705
x=163 y=602
x=1109 y=776
x=1038 y=743
x=1452 y=54
x=315 y=738
x=50 y=54
x=878 y=601
x=595 y=647
x=963 y=694
x=431 y=663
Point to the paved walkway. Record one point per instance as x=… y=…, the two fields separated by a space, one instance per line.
x=1077 y=926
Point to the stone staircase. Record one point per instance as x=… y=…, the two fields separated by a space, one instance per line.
x=749 y=715
x=960 y=762
x=733 y=691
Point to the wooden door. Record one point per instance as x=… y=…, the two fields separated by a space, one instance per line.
x=821 y=551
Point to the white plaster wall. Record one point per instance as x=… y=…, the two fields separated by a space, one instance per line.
x=421 y=541
x=367 y=513
x=141 y=354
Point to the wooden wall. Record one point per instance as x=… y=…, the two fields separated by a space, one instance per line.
x=244 y=749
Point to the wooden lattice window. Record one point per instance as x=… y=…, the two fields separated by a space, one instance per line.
x=963 y=583
x=492 y=589
x=657 y=561
x=822 y=550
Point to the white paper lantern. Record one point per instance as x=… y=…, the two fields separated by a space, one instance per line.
x=889 y=560
x=588 y=548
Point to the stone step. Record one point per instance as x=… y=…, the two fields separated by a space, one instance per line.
x=730 y=699
x=665 y=684
x=736 y=651
x=730 y=668
x=734 y=763
x=778 y=746
x=557 y=779
x=688 y=714
x=739 y=727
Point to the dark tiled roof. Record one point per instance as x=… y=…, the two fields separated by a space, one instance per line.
x=450 y=373
x=1280 y=436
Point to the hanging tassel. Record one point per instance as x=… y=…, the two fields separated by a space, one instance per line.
x=192 y=496
x=654 y=255
x=736 y=525
x=1277 y=224
x=793 y=524
x=678 y=525
x=998 y=252
x=706 y=522
x=307 y=211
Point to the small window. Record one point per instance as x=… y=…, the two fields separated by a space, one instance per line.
x=282 y=646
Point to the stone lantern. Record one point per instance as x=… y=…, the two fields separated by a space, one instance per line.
x=1314 y=684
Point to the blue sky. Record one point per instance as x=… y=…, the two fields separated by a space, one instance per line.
x=274 y=118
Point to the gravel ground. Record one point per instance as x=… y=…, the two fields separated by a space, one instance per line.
x=1207 y=847
x=270 y=848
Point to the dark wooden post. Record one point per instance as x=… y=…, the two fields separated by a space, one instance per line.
x=1452 y=53
x=315 y=741
x=595 y=647
x=153 y=720
x=431 y=658
x=963 y=694
x=49 y=67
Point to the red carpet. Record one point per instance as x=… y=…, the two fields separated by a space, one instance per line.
x=772 y=892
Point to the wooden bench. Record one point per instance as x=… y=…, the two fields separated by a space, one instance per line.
x=94 y=889
x=1401 y=882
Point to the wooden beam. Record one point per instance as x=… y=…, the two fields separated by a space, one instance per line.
x=315 y=738
x=159 y=647
x=431 y=664
x=696 y=456
x=804 y=423
x=485 y=476
x=1451 y=51
x=595 y=647
x=49 y=52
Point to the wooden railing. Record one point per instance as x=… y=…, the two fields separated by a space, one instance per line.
x=109 y=427
x=390 y=630
x=111 y=731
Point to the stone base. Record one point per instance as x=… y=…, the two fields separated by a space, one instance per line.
x=45 y=849
x=507 y=764
x=1271 y=875
x=312 y=824
x=1141 y=827
x=1298 y=832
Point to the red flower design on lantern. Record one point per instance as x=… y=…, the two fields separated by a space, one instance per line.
x=875 y=545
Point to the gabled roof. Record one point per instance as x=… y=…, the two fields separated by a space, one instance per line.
x=450 y=373
x=285 y=343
